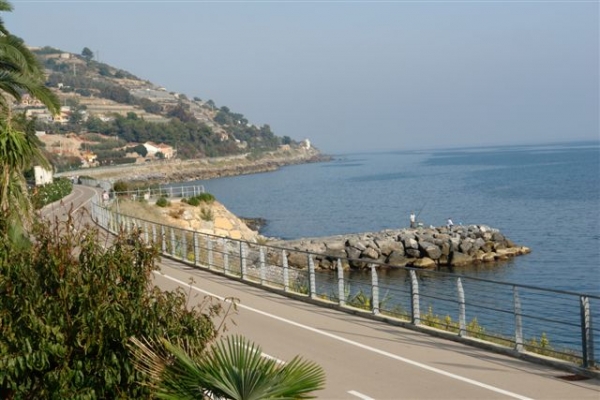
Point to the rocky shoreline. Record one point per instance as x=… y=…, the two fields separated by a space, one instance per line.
x=169 y=171
x=420 y=247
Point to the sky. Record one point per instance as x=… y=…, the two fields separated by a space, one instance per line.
x=354 y=76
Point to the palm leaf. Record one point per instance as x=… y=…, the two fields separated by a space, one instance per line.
x=233 y=368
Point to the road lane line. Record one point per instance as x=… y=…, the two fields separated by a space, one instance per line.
x=359 y=395
x=357 y=344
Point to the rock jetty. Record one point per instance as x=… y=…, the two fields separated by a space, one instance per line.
x=420 y=247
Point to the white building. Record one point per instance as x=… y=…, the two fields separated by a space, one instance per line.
x=42 y=176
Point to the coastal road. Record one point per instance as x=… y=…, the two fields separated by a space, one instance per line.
x=365 y=359
x=76 y=203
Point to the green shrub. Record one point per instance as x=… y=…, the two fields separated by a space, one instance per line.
x=194 y=201
x=120 y=186
x=162 y=202
x=206 y=214
x=70 y=306
x=206 y=198
x=44 y=195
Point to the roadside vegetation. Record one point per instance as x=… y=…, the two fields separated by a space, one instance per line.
x=51 y=192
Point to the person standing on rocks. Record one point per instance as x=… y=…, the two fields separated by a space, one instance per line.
x=413 y=220
x=449 y=223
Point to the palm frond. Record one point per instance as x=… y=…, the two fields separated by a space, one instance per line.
x=233 y=368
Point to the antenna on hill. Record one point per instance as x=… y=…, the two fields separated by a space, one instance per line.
x=97 y=56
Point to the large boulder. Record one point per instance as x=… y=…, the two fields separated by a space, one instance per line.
x=410 y=243
x=356 y=243
x=297 y=260
x=458 y=259
x=371 y=253
x=414 y=253
x=388 y=246
x=430 y=250
x=424 y=262
x=397 y=259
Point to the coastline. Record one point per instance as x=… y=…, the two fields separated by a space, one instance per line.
x=420 y=248
x=170 y=171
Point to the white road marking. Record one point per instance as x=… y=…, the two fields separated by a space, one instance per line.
x=360 y=345
x=359 y=395
x=277 y=360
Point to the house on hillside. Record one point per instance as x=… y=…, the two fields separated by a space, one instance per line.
x=30 y=101
x=154 y=148
x=41 y=114
x=88 y=159
x=63 y=117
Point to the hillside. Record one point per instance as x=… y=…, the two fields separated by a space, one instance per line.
x=125 y=112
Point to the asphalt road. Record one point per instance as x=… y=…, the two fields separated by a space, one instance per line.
x=365 y=359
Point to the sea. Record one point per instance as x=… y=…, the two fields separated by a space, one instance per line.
x=544 y=196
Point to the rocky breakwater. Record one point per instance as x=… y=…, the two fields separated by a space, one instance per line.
x=420 y=247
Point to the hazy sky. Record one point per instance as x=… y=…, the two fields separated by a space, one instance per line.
x=354 y=75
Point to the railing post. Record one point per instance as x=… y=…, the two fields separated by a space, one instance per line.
x=414 y=304
x=261 y=261
x=587 y=334
x=225 y=256
x=462 y=312
x=243 y=271
x=173 y=242
x=286 y=271
x=518 y=321
x=374 y=290
x=183 y=245
x=146 y=233
x=196 y=249
x=340 y=276
x=154 y=233
x=209 y=245
x=163 y=239
x=311 y=277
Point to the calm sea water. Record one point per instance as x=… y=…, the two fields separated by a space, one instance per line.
x=546 y=197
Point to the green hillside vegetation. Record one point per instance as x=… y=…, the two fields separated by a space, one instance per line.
x=113 y=102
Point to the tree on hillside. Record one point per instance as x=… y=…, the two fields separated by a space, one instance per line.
x=140 y=149
x=87 y=54
x=19 y=73
x=181 y=112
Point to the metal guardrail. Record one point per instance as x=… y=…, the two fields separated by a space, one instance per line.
x=519 y=318
x=151 y=193
x=157 y=192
